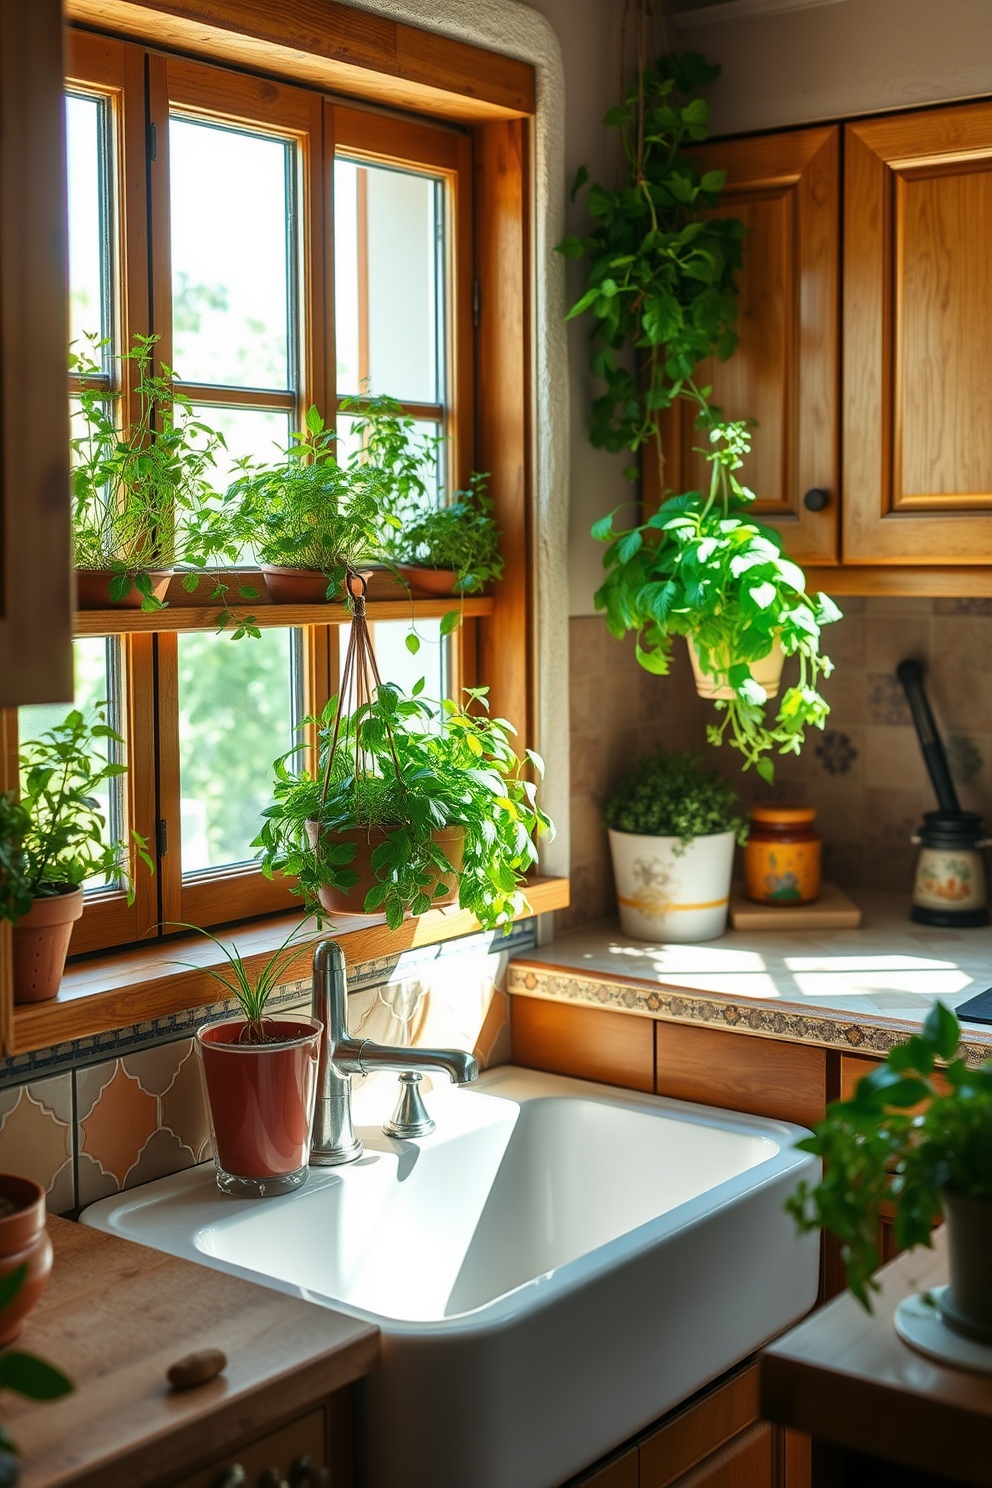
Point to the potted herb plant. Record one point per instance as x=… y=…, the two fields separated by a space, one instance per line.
x=64 y=844
x=672 y=827
x=309 y=518
x=260 y=1073
x=142 y=503
x=661 y=292
x=917 y=1134
x=439 y=811
x=439 y=547
x=23 y=1373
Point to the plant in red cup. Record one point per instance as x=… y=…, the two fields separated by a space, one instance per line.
x=261 y=1081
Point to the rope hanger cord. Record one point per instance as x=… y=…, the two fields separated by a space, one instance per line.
x=359 y=677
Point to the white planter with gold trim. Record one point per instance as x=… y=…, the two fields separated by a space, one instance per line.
x=667 y=892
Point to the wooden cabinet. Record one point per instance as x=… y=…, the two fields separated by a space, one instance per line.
x=917 y=324
x=739 y=1072
x=589 y=1043
x=295 y=1453
x=785 y=188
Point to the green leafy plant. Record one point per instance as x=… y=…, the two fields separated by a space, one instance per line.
x=672 y=795
x=901 y=1138
x=413 y=768
x=252 y=990
x=461 y=535
x=660 y=280
x=65 y=842
x=141 y=493
x=25 y=1374
x=307 y=511
x=15 y=890
x=698 y=568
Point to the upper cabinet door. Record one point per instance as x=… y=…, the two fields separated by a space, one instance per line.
x=917 y=333
x=785 y=373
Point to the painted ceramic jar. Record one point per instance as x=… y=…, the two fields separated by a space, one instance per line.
x=782 y=856
x=950 y=887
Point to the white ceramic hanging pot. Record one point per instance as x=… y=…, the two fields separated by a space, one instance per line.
x=767 y=672
x=669 y=892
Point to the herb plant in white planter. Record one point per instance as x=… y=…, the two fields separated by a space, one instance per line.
x=673 y=826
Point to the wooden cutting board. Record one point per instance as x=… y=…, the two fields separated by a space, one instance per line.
x=832 y=911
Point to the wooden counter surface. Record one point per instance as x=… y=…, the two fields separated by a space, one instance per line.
x=116 y=1315
x=846 y=1377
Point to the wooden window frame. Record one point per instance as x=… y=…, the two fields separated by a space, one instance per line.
x=494 y=96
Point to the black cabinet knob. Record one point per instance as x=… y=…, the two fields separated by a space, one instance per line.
x=816 y=499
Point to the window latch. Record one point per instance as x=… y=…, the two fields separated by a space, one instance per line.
x=476 y=303
x=152 y=142
x=161 y=837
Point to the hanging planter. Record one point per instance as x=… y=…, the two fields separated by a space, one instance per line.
x=415 y=806
x=767 y=672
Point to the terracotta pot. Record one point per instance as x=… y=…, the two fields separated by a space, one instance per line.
x=24 y=1240
x=297 y=585
x=93 y=589
x=41 y=944
x=261 y=1099
x=351 y=901
x=429 y=583
x=767 y=672
x=966 y=1306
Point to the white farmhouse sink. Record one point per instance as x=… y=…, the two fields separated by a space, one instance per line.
x=558 y=1265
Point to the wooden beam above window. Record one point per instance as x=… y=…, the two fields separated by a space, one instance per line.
x=333 y=46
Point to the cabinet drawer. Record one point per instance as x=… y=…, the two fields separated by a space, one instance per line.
x=305 y=1437
x=589 y=1043
x=739 y=1072
x=746 y=1462
x=620 y=1473
x=692 y=1436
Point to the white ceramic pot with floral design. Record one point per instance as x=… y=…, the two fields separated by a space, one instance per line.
x=669 y=892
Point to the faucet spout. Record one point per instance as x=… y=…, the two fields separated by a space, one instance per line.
x=334 y=1139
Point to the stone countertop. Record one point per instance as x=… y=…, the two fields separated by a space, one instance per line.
x=861 y=989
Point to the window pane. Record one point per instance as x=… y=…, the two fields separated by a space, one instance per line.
x=89 y=226
x=232 y=282
x=239 y=705
x=97 y=661
x=395 y=662
x=248 y=432
x=388 y=247
x=432 y=472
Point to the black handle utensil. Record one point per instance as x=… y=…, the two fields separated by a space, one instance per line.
x=910 y=674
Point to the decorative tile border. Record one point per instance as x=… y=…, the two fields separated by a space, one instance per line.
x=876 y=1035
x=118 y=1042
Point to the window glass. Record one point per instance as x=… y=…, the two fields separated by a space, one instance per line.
x=88 y=215
x=433 y=471
x=249 y=433
x=98 y=679
x=232 y=281
x=239 y=707
x=389 y=289
x=395 y=661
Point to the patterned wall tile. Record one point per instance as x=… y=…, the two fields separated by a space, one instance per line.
x=138 y=1118
x=36 y=1137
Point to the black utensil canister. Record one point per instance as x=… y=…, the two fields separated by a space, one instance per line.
x=950 y=888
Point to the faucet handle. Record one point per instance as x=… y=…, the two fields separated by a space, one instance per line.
x=410 y=1119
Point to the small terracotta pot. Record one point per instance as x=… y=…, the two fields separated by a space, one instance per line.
x=427 y=582
x=351 y=901
x=93 y=589
x=767 y=672
x=261 y=1099
x=966 y=1306
x=297 y=585
x=41 y=944
x=24 y=1240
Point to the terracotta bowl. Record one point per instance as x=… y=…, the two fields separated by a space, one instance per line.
x=23 y=1240
x=93 y=589
x=428 y=583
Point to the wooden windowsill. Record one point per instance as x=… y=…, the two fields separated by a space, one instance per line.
x=116 y=990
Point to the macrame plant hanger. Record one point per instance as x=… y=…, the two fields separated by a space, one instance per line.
x=359 y=679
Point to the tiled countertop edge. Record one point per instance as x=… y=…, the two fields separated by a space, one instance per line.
x=766 y=1019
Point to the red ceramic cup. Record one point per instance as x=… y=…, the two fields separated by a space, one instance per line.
x=261 y=1099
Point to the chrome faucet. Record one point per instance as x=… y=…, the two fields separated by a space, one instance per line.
x=334 y=1139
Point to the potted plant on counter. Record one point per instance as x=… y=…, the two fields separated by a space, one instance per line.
x=260 y=1073
x=439 y=811
x=672 y=828
x=142 y=503
x=917 y=1134
x=309 y=518
x=64 y=844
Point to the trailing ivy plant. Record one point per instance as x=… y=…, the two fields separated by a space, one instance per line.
x=142 y=497
x=698 y=568
x=660 y=278
x=66 y=840
x=425 y=767
x=901 y=1138
x=672 y=795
